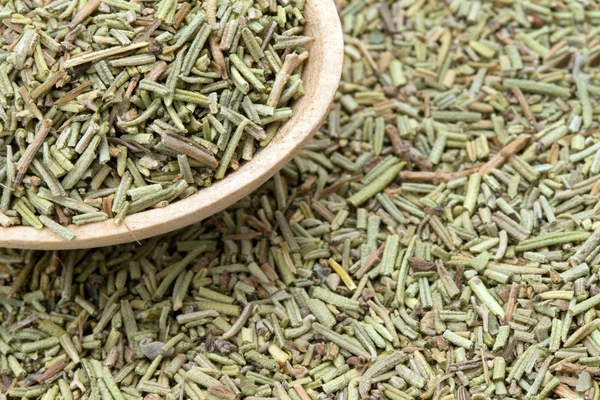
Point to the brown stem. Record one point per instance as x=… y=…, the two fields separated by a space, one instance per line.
x=51 y=372
x=370 y=262
x=301 y=392
x=258 y=225
x=84 y=12
x=435 y=177
x=420 y=265
x=336 y=186
x=73 y=93
x=241 y=321
x=554 y=49
x=572 y=368
x=292 y=61
x=322 y=211
x=524 y=104
x=363 y=49
x=243 y=236
x=392 y=133
x=131 y=87
x=215 y=50
x=30 y=104
x=512 y=300
x=564 y=392
x=31 y=151
x=404 y=149
x=107 y=206
x=157 y=71
x=218 y=57
x=48 y=84
x=181 y=14
x=505 y=153
x=188 y=147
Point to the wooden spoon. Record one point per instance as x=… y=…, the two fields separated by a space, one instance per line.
x=321 y=77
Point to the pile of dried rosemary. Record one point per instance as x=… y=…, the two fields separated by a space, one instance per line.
x=109 y=108
x=437 y=239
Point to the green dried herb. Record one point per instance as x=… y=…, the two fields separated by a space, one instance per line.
x=116 y=96
x=437 y=238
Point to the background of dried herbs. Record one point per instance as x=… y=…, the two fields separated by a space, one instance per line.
x=436 y=239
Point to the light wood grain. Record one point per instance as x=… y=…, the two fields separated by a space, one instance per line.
x=321 y=78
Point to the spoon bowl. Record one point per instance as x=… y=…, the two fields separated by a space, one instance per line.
x=321 y=77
